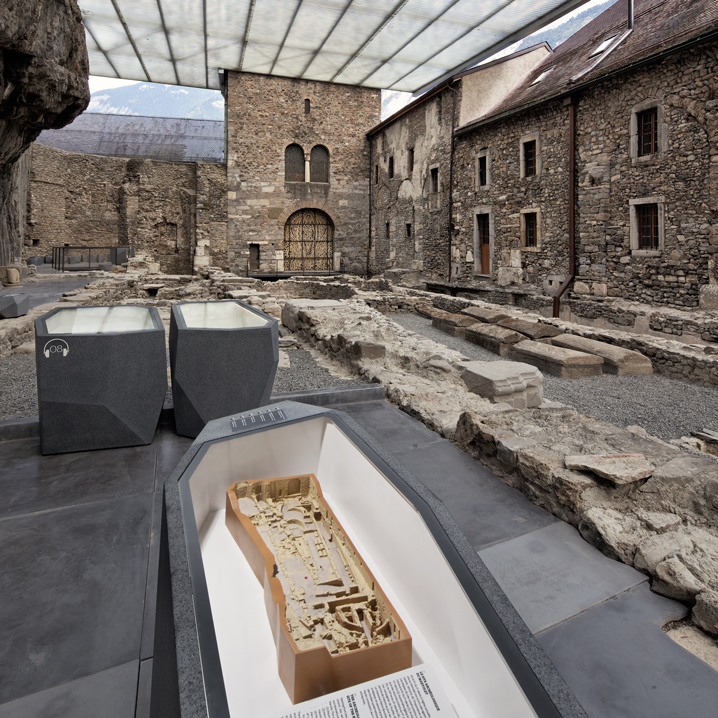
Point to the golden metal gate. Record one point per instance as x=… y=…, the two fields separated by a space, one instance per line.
x=308 y=242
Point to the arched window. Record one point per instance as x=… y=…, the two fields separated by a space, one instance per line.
x=294 y=164
x=319 y=164
x=308 y=242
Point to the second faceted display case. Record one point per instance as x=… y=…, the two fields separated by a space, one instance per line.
x=223 y=359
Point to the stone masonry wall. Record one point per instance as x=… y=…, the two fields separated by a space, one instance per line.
x=507 y=195
x=684 y=86
x=157 y=207
x=264 y=116
x=682 y=178
x=406 y=200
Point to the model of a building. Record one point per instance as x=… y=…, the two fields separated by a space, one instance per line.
x=332 y=624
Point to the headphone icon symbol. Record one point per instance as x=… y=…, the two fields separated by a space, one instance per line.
x=55 y=346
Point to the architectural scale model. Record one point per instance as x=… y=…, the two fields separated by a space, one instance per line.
x=332 y=624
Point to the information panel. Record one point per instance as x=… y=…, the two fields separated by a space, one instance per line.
x=413 y=693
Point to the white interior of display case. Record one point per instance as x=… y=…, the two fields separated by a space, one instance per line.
x=100 y=320
x=391 y=537
x=220 y=315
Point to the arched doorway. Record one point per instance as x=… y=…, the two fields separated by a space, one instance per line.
x=308 y=242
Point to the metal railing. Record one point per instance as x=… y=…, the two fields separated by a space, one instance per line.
x=83 y=258
x=276 y=270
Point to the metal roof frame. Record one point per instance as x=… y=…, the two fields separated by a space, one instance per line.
x=408 y=45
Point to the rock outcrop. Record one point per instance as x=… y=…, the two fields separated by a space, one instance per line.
x=44 y=74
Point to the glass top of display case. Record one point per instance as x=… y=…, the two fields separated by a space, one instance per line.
x=220 y=315
x=100 y=320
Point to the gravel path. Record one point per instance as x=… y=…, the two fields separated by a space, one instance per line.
x=18 y=389
x=667 y=408
x=305 y=373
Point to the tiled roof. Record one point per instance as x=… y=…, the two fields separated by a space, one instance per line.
x=659 y=26
x=159 y=138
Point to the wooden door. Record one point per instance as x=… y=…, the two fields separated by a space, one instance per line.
x=482 y=221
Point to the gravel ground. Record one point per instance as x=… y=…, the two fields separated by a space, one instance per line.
x=18 y=390
x=305 y=373
x=667 y=408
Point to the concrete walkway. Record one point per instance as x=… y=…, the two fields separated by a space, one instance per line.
x=50 y=289
x=79 y=555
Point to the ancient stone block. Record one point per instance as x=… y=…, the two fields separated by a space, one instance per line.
x=506 y=276
x=674 y=580
x=533 y=330
x=496 y=339
x=291 y=309
x=565 y=363
x=705 y=612
x=709 y=297
x=616 y=360
x=617 y=468
x=658 y=548
x=614 y=533
x=516 y=384
x=490 y=316
x=368 y=350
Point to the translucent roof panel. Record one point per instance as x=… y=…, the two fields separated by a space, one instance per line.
x=404 y=45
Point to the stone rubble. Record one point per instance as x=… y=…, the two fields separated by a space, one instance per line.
x=665 y=525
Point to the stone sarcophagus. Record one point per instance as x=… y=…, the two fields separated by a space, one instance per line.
x=332 y=624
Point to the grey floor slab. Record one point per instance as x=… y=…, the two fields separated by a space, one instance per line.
x=109 y=694
x=30 y=482
x=48 y=290
x=618 y=661
x=392 y=428
x=552 y=574
x=170 y=449
x=485 y=509
x=73 y=591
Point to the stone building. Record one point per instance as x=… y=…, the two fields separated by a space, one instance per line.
x=297 y=174
x=175 y=212
x=644 y=194
x=412 y=164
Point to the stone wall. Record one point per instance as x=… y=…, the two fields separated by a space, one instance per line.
x=507 y=195
x=410 y=222
x=160 y=208
x=264 y=116
x=682 y=178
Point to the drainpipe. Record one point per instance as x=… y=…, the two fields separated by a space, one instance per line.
x=451 y=175
x=571 y=102
x=368 y=245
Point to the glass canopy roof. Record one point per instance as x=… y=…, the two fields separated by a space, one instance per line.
x=405 y=45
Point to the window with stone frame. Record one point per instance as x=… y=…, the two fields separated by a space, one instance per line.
x=376 y=174
x=530 y=158
x=410 y=161
x=408 y=229
x=647 y=226
x=530 y=155
x=307 y=106
x=483 y=169
x=530 y=229
x=647 y=130
x=434 y=179
x=647 y=218
x=391 y=168
x=319 y=164
x=294 y=164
